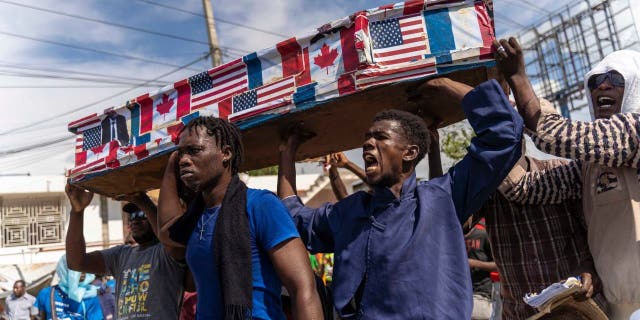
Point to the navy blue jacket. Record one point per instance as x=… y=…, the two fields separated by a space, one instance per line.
x=410 y=251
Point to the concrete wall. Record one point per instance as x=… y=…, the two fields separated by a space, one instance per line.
x=34 y=187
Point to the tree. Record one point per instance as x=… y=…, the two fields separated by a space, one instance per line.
x=268 y=171
x=456 y=142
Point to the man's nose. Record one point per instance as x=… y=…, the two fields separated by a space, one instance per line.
x=184 y=161
x=368 y=143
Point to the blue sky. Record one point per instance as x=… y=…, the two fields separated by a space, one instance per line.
x=28 y=97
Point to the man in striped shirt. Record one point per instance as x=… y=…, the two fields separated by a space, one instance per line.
x=605 y=174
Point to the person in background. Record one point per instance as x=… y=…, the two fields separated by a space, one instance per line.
x=73 y=298
x=19 y=305
x=106 y=297
x=604 y=174
x=149 y=277
x=481 y=264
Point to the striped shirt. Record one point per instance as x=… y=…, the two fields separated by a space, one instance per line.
x=612 y=142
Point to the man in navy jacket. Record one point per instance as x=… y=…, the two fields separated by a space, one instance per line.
x=400 y=251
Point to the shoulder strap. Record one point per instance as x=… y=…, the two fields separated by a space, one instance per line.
x=52 y=302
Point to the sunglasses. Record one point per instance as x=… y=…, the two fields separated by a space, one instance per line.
x=137 y=215
x=616 y=79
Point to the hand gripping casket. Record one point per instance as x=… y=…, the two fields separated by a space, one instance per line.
x=334 y=80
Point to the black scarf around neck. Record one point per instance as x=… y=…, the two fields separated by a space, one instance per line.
x=232 y=247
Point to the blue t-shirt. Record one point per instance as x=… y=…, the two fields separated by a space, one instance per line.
x=67 y=309
x=270 y=224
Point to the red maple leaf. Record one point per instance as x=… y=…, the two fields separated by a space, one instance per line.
x=98 y=149
x=164 y=107
x=326 y=58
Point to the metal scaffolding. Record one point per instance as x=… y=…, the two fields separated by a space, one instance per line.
x=560 y=49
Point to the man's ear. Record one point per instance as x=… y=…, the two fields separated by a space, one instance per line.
x=411 y=153
x=227 y=154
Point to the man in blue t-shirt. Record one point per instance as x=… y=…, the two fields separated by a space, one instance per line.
x=240 y=242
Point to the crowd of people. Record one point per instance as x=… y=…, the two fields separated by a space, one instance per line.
x=211 y=248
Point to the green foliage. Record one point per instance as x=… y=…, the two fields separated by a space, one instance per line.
x=455 y=143
x=268 y=171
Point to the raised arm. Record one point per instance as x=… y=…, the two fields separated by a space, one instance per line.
x=169 y=206
x=76 y=248
x=551 y=185
x=435 y=162
x=510 y=62
x=337 y=185
x=314 y=225
x=612 y=142
x=340 y=160
x=493 y=151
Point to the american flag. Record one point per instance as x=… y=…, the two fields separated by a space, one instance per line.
x=92 y=138
x=91 y=154
x=213 y=86
x=398 y=40
x=262 y=99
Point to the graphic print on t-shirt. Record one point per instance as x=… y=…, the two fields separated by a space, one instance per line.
x=132 y=301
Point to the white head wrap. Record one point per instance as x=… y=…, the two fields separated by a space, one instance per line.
x=627 y=63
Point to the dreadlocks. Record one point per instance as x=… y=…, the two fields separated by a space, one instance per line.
x=224 y=133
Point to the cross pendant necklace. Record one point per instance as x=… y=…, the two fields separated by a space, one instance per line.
x=203 y=224
x=201 y=231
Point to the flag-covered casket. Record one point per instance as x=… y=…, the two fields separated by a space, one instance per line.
x=334 y=80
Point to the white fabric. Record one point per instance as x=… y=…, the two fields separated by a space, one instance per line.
x=627 y=63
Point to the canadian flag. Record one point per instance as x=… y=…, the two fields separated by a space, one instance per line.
x=164 y=107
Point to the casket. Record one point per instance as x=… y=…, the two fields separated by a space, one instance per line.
x=333 y=80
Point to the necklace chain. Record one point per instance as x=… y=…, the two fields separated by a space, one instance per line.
x=203 y=224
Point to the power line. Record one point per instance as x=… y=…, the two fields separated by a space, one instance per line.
x=162 y=34
x=509 y=20
x=91 y=49
x=113 y=24
x=67 y=78
x=217 y=19
x=537 y=7
x=528 y=5
x=17 y=130
x=36 y=146
x=67 y=71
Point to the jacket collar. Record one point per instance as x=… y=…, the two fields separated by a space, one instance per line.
x=383 y=196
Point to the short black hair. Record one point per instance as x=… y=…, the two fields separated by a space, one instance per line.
x=413 y=127
x=24 y=284
x=130 y=208
x=225 y=133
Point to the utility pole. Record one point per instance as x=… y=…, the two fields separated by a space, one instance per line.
x=214 y=49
